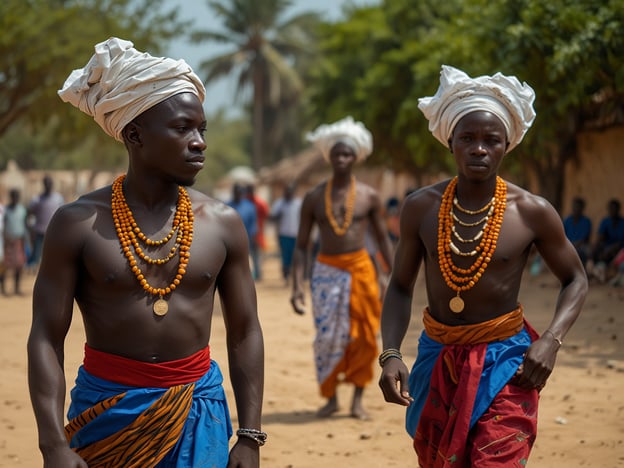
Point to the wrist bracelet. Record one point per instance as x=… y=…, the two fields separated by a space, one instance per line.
x=559 y=342
x=389 y=353
x=254 y=434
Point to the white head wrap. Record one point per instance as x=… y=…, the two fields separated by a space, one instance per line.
x=347 y=131
x=119 y=83
x=459 y=95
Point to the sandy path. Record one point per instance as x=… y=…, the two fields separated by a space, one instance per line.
x=580 y=415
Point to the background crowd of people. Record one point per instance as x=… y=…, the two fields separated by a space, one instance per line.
x=600 y=245
x=22 y=229
x=602 y=251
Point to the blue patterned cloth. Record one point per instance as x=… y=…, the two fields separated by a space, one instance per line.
x=331 y=292
x=206 y=433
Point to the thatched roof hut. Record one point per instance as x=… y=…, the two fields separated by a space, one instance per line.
x=308 y=168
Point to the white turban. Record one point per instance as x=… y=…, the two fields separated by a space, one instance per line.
x=119 y=83
x=347 y=131
x=459 y=95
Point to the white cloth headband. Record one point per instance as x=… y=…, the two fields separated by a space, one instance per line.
x=119 y=83
x=347 y=131
x=459 y=95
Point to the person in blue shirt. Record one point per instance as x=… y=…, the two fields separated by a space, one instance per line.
x=578 y=229
x=610 y=239
x=247 y=211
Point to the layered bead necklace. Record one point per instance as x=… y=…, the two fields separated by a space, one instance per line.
x=463 y=279
x=349 y=208
x=130 y=237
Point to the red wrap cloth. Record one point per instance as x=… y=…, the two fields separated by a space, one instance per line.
x=504 y=435
x=145 y=374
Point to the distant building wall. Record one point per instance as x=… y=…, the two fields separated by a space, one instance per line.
x=598 y=175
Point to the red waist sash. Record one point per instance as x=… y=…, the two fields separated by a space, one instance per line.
x=145 y=374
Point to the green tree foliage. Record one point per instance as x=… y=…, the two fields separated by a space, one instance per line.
x=380 y=60
x=373 y=67
x=266 y=48
x=41 y=41
x=227 y=142
x=36 y=149
x=570 y=51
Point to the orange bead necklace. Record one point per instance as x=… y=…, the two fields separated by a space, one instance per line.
x=130 y=234
x=463 y=279
x=349 y=208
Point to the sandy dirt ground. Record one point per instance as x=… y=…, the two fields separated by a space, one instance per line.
x=581 y=411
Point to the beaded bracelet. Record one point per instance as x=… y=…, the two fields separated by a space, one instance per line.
x=559 y=342
x=389 y=353
x=254 y=434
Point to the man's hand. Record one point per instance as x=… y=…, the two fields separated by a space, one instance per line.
x=244 y=454
x=539 y=361
x=393 y=382
x=62 y=457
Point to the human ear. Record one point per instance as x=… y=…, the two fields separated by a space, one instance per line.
x=132 y=133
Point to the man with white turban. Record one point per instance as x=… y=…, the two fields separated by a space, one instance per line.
x=472 y=393
x=119 y=83
x=459 y=95
x=145 y=285
x=345 y=293
x=351 y=133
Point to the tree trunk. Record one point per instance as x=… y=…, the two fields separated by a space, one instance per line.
x=257 y=157
x=549 y=171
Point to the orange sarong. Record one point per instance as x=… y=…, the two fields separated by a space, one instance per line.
x=347 y=314
x=496 y=329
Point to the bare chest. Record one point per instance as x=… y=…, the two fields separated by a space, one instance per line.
x=108 y=267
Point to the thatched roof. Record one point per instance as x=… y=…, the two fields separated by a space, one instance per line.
x=293 y=169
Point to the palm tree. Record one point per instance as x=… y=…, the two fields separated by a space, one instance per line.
x=265 y=51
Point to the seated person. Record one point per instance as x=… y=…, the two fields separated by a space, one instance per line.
x=610 y=239
x=578 y=228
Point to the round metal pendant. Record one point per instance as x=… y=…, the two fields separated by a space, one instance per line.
x=456 y=304
x=161 y=307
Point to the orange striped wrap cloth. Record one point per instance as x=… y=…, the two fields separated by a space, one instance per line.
x=347 y=313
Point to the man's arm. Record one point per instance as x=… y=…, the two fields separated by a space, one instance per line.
x=53 y=297
x=276 y=210
x=380 y=230
x=561 y=257
x=396 y=311
x=306 y=222
x=245 y=343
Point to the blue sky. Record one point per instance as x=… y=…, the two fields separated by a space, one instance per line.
x=220 y=94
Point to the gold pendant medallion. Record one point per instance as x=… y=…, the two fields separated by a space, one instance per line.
x=161 y=307
x=456 y=304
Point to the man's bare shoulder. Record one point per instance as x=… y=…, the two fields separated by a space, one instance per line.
x=212 y=209
x=369 y=190
x=86 y=205
x=525 y=201
x=74 y=222
x=316 y=193
x=425 y=196
x=364 y=186
x=535 y=211
x=200 y=199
